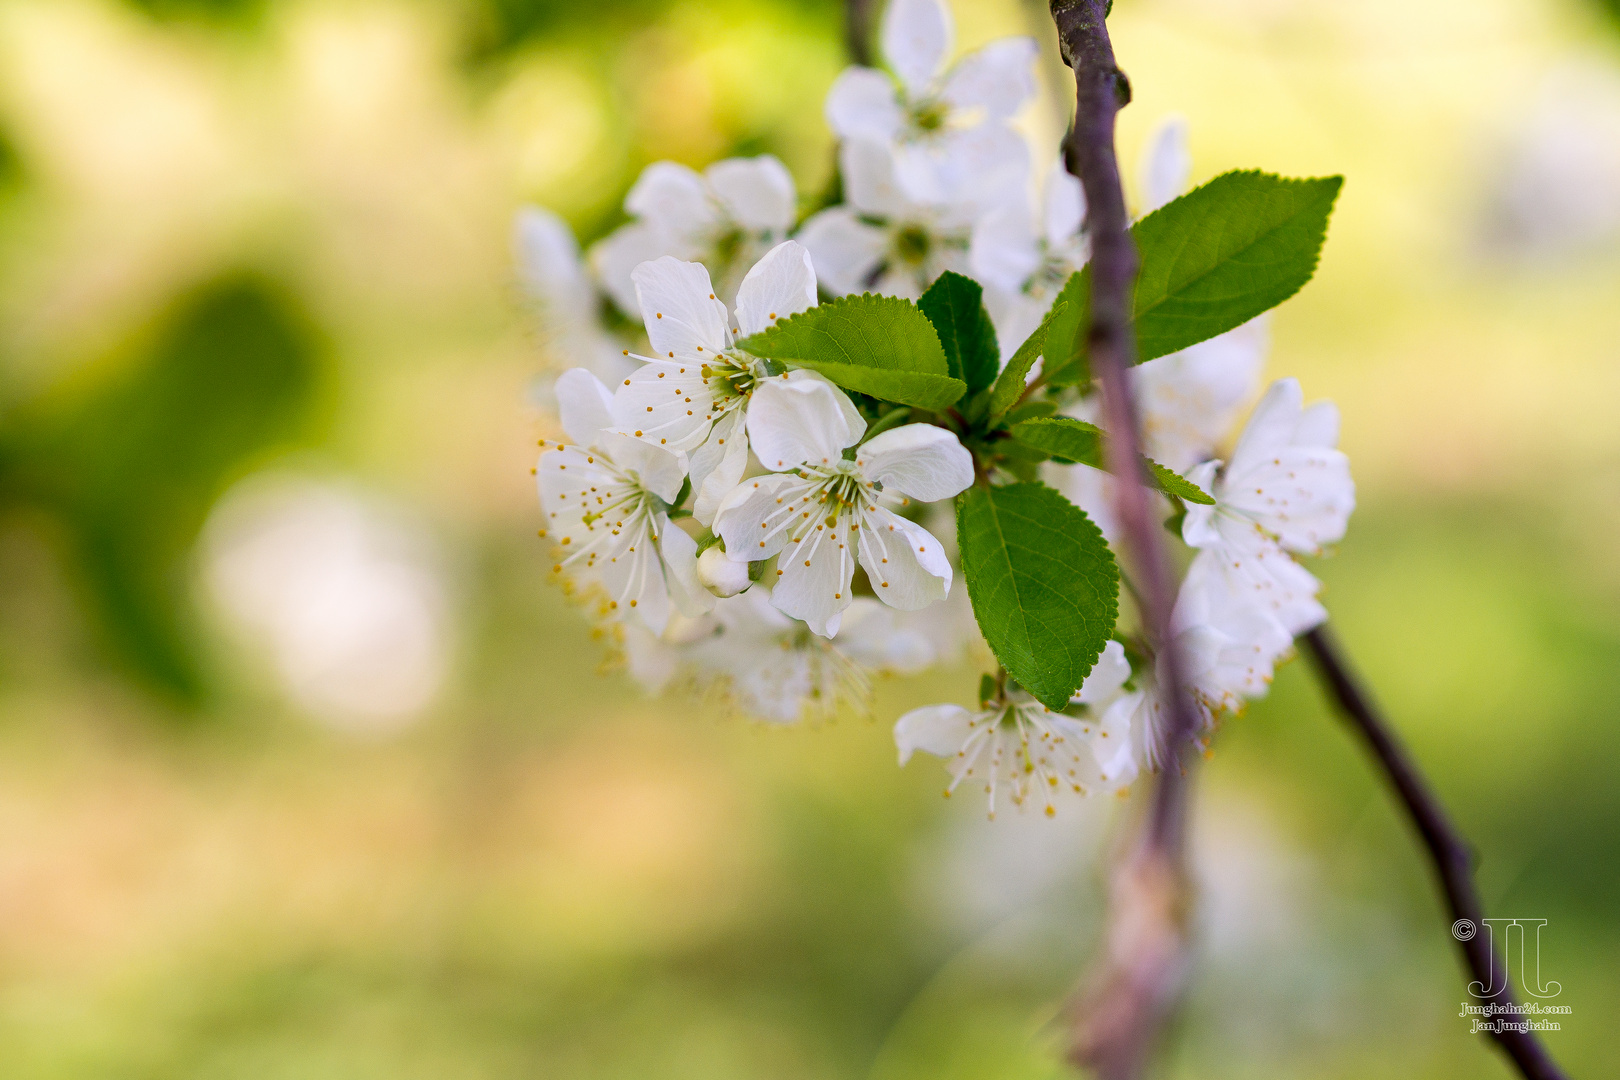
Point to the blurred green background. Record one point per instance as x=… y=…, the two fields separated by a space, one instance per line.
x=255 y=275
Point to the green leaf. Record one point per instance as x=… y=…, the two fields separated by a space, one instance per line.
x=1063 y=437
x=1073 y=440
x=955 y=305
x=1224 y=253
x=1065 y=355
x=1029 y=410
x=891 y=419
x=1173 y=483
x=1043 y=584
x=877 y=345
x=1009 y=385
x=1210 y=261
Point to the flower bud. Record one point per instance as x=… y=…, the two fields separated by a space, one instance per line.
x=720 y=574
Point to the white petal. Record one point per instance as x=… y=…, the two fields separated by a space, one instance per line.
x=757 y=193
x=666 y=402
x=1318 y=426
x=548 y=257
x=1271 y=425
x=1015 y=315
x=1065 y=204
x=869 y=178
x=844 y=250
x=653 y=467
x=718 y=466
x=1107 y=678
x=631 y=570
x=907 y=564
x=793 y=421
x=1004 y=250
x=999 y=77
x=615 y=257
x=679 y=552
x=1166 y=165
x=672 y=197
x=923 y=461
x=1303 y=496
x=814 y=577
x=783 y=283
x=678 y=306
x=862 y=105
x=1198 y=527
x=1190 y=398
x=916 y=40
x=564 y=479
x=1221 y=585
x=852 y=416
x=585 y=404
x=966 y=171
x=885 y=639
x=753 y=519
x=934 y=729
x=1284 y=479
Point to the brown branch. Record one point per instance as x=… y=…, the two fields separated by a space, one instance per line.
x=858 y=31
x=1143 y=970
x=1451 y=855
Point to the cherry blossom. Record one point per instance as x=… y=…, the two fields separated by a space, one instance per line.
x=692 y=393
x=726 y=218
x=606 y=499
x=947 y=125
x=1017 y=746
x=822 y=511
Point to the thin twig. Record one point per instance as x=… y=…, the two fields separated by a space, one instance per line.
x=1144 y=967
x=858 y=31
x=1448 y=851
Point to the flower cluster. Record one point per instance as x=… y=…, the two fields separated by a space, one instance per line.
x=751 y=518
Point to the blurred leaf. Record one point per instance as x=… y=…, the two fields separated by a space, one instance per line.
x=11 y=168
x=213 y=10
x=499 y=26
x=132 y=465
x=1043 y=584
x=955 y=305
x=1210 y=261
x=1071 y=440
x=878 y=345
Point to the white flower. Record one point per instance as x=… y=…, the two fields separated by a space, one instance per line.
x=1023 y=264
x=822 y=512
x=1286 y=481
x=1165 y=164
x=948 y=127
x=882 y=240
x=1232 y=641
x=1189 y=399
x=1019 y=745
x=774 y=669
x=691 y=394
x=549 y=267
x=606 y=500
x=725 y=218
